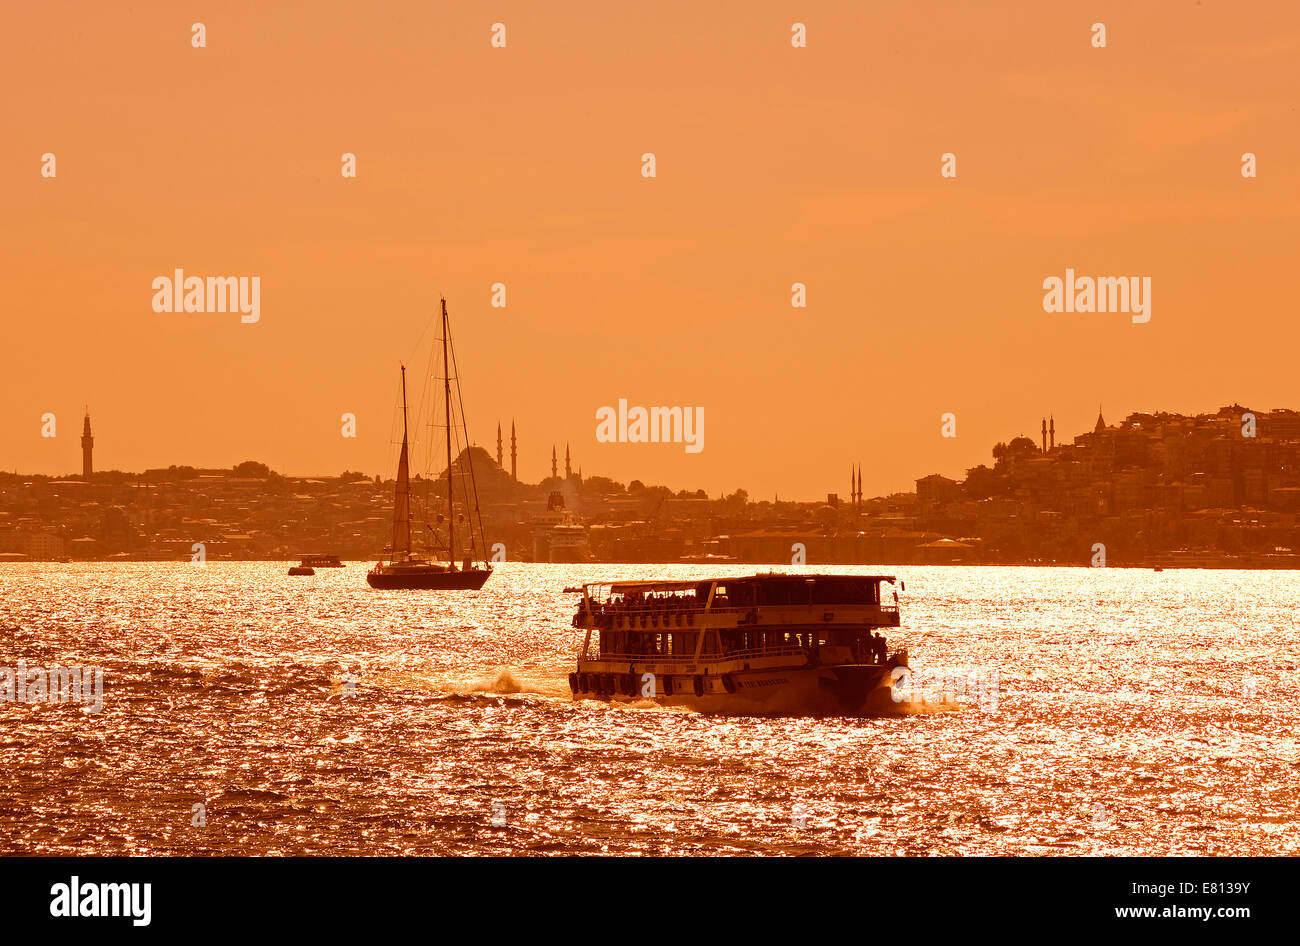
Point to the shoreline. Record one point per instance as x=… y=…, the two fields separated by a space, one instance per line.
x=1154 y=564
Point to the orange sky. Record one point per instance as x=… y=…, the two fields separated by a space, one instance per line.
x=522 y=165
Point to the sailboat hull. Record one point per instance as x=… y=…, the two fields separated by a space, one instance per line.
x=470 y=579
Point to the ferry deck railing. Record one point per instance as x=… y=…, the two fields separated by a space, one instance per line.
x=883 y=608
x=666 y=618
x=752 y=654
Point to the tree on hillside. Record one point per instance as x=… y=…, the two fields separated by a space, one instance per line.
x=1017 y=448
x=981 y=482
x=252 y=468
x=601 y=484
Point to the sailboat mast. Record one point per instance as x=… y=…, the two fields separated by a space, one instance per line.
x=403 y=405
x=446 y=379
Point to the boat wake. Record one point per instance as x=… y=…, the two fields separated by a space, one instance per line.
x=654 y=706
x=920 y=708
x=506 y=681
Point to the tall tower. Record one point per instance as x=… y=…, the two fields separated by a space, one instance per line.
x=500 y=456
x=1052 y=434
x=568 y=465
x=555 y=470
x=1044 y=435
x=87 y=445
x=859 y=487
x=514 y=454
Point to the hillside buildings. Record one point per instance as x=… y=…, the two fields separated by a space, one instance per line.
x=1219 y=489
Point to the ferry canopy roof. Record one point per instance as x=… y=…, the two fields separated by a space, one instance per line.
x=691 y=584
x=647 y=585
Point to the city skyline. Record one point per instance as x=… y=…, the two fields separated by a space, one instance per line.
x=1153 y=489
x=1046 y=443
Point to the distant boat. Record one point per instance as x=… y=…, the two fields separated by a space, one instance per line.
x=407 y=571
x=711 y=553
x=320 y=561
x=302 y=570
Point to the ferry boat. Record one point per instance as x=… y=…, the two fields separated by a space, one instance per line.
x=764 y=644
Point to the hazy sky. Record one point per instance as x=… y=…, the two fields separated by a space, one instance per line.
x=522 y=165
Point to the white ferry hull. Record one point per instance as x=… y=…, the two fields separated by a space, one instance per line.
x=846 y=690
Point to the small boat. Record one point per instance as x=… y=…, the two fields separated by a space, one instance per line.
x=406 y=570
x=711 y=554
x=762 y=645
x=302 y=570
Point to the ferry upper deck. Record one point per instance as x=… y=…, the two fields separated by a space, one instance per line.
x=753 y=599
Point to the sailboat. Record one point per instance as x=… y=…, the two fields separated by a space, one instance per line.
x=407 y=570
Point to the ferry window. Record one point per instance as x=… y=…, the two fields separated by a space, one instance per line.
x=740 y=594
x=848 y=590
x=829 y=591
x=777 y=593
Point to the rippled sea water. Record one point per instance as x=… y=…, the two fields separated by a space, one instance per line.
x=1137 y=712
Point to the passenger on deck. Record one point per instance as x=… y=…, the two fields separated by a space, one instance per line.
x=878 y=648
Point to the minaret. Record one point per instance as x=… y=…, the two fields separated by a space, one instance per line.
x=859 y=487
x=555 y=470
x=1052 y=432
x=568 y=465
x=1044 y=435
x=514 y=453
x=500 y=456
x=87 y=444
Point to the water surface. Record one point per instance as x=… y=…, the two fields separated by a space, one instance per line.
x=1137 y=712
